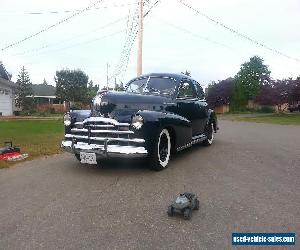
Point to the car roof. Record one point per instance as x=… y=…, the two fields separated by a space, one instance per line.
x=177 y=77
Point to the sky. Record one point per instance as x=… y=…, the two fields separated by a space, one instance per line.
x=175 y=38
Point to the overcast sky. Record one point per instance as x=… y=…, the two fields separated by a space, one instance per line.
x=167 y=48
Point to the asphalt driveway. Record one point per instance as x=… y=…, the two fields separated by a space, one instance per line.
x=248 y=181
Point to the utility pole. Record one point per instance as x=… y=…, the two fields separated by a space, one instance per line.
x=140 y=40
x=107 y=76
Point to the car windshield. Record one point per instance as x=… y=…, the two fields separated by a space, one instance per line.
x=153 y=85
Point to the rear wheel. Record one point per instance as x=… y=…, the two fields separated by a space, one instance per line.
x=160 y=155
x=209 y=132
x=170 y=211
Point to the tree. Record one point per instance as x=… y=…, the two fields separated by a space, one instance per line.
x=71 y=85
x=119 y=87
x=187 y=73
x=45 y=82
x=294 y=94
x=24 y=88
x=279 y=92
x=220 y=93
x=91 y=91
x=248 y=80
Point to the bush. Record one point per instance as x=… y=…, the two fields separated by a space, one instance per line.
x=266 y=109
x=76 y=105
x=52 y=111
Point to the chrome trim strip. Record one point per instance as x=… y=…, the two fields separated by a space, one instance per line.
x=105 y=120
x=198 y=137
x=137 y=140
x=102 y=131
x=101 y=126
x=195 y=140
x=94 y=125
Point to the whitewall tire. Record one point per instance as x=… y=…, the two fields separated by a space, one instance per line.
x=161 y=152
x=210 y=135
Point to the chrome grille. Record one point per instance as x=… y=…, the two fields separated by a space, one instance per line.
x=98 y=130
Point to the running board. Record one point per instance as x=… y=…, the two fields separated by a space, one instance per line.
x=195 y=140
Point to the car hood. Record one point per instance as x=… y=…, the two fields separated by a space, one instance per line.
x=122 y=105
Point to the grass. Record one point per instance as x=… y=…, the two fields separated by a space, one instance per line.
x=35 y=137
x=276 y=118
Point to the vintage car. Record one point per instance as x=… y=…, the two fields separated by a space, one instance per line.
x=157 y=114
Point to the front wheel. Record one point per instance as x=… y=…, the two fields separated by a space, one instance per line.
x=187 y=214
x=77 y=157
x=160 y=155
x=197 y=205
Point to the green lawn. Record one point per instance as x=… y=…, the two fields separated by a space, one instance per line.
x=283 y=119
x=35 y=137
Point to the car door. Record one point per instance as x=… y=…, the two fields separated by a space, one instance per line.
x=202 y=108
x=187 y=105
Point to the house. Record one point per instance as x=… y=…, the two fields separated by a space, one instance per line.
x=7 y=92
x=45 y=99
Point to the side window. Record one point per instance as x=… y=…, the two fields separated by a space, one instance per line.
x=199 y=90
x=186 y=90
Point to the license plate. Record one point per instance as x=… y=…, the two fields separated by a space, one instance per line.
x=89 y=158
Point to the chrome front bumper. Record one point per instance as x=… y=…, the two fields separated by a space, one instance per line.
x=104 y=151
x=105 y=137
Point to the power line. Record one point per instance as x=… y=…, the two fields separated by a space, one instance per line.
x=52 y=26
x=151 y=7
x=81 y=43
x=71 y=38
x=62 y=11
x=236 y=32
x=194 y=34
x=130 y=39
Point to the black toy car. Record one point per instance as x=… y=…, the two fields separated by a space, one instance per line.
x=156 y=115
x=184 y=204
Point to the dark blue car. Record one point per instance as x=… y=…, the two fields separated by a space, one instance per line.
x=157 y=115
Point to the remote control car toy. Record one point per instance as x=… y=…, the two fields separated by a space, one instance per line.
x=184 y=204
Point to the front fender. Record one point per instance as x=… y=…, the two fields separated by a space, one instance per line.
x=179 y=127
x=77 y=116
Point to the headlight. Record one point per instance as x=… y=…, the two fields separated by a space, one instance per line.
x=67 y=120
x=137 y=121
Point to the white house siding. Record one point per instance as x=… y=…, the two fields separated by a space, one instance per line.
x=6 y=100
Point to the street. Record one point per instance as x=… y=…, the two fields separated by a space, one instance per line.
x=247 y=181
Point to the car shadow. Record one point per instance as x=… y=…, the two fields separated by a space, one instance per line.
x=114 y=165
x=109 y=166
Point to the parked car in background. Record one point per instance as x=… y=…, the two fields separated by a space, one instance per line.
x=156 y=115
x=293 y=108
